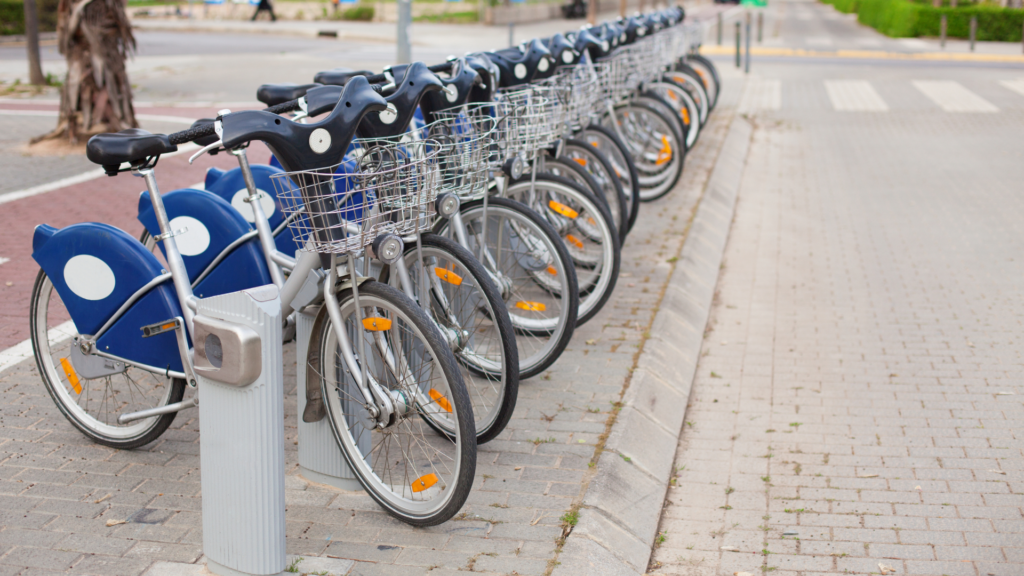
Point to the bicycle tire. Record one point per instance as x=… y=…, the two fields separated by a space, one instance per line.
x=126 y=437
x=712 y=81
x=654 y=184
x=456 y=403
x=610 y=185
x=617 y=153
x=490 y=422
x=532 y=360
x=686 y=128
x=689 y=80
x=595 y=289
x=566 y=168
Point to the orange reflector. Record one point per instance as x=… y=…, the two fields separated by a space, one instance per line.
x=72 y=377
x=562 y=209
x=448 y=276
x=594 y=143
x=423 y=482
x=581 y=161
x=574 y=241
x=591 y=221
x=552 y=271
x=167 y=326
x=376 y=324
x=441 y=400
x=531 y=306
x=665 y=154
x=685 y=113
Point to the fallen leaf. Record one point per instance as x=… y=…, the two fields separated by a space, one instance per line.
x=591 y=342
x=1006 y=393
x=917 y=487
x=518 y=468
x=885 y=569
x=969 y=345
x=113 y=522
x=10 y=283
x=102 y=499
x=867 y=476
x=729 y=549
x=742 y=574
x=998 y=472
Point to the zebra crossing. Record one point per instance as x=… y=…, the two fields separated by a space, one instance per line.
x=846 y=95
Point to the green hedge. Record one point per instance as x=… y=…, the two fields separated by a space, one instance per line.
x=12 y=16
x=903 y=19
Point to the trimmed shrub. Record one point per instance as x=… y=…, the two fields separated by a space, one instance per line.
x=903 y=19
x=362 y=13
x=12 y=16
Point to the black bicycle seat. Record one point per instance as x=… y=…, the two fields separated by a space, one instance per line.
x=133 y=145
x=654 y=21
x=339 y=76
x=274 y=94
x=306 y=146
x=490 y=77
x=413 y=81
x=633 y=28
x=562 y=50
x=457 y=90
x=520 y=66
x=204 y=140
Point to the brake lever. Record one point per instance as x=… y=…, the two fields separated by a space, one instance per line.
x=204 y=150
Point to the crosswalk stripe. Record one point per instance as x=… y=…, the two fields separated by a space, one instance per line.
x=761 y=94
x=951 y=96
x=854 y=96
x=1015 y=85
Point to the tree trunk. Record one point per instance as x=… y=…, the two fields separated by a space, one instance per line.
x=35 y=70
x=95 y=37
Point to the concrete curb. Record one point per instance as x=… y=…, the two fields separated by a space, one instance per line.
x=619 y=519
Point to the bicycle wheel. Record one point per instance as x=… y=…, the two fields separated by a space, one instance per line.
x=468 y=310
x=586 y=229
x=657 y=152
x=92 y=405
x=532 y=270
x=688 y=80
x=416 y=475
x=615 y=151
x=594 y=162
x=567 y=168
x=708 y=75
x=685 y=123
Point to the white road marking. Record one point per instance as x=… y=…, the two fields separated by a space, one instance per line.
x=23 y=350
x=761 y=94
x=4 y=260
x=1015 y=85
x=854 y=96
x=951 y=96
x=53 y=114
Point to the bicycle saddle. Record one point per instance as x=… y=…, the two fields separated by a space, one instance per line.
x=520 y=65
x=339 y=76
x=306 y=146
x=654 y=21
x=133 y=145
x=490 y=77
x=633 y=28
x=457 y=90
x=274 y=94
x=412 y=81
x=562 y=50
x=322 y=99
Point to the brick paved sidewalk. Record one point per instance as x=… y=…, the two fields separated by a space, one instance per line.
x=57 y=490
x=857 y=405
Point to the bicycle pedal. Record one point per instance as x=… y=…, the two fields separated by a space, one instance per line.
x=160 y=327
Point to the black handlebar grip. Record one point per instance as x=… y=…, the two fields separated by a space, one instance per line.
x=289 y=106
x=445 y=67
x=192 y=134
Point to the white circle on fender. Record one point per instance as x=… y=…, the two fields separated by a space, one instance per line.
x=196 y=238
x=238 y=203
x=604 y=46
x=451 y=93
x=520 y=71
x=567 y=57
x=319 y=140
x=89 y=277
x=543 y=65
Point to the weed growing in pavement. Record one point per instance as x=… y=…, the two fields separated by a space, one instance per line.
x=294 y=566
x=538 y=441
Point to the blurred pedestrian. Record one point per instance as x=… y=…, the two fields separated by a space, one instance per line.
x=265 y=5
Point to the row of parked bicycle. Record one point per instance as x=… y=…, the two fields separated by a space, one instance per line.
x=448 y=227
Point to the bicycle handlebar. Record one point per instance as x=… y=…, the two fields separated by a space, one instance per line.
x=192 y=134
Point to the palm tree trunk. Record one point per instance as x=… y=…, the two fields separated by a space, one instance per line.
x=95 y=37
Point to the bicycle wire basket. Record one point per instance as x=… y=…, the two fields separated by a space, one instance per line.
x=472 y=141
x=578 y=89
x=534 y=118
x=381 y=186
